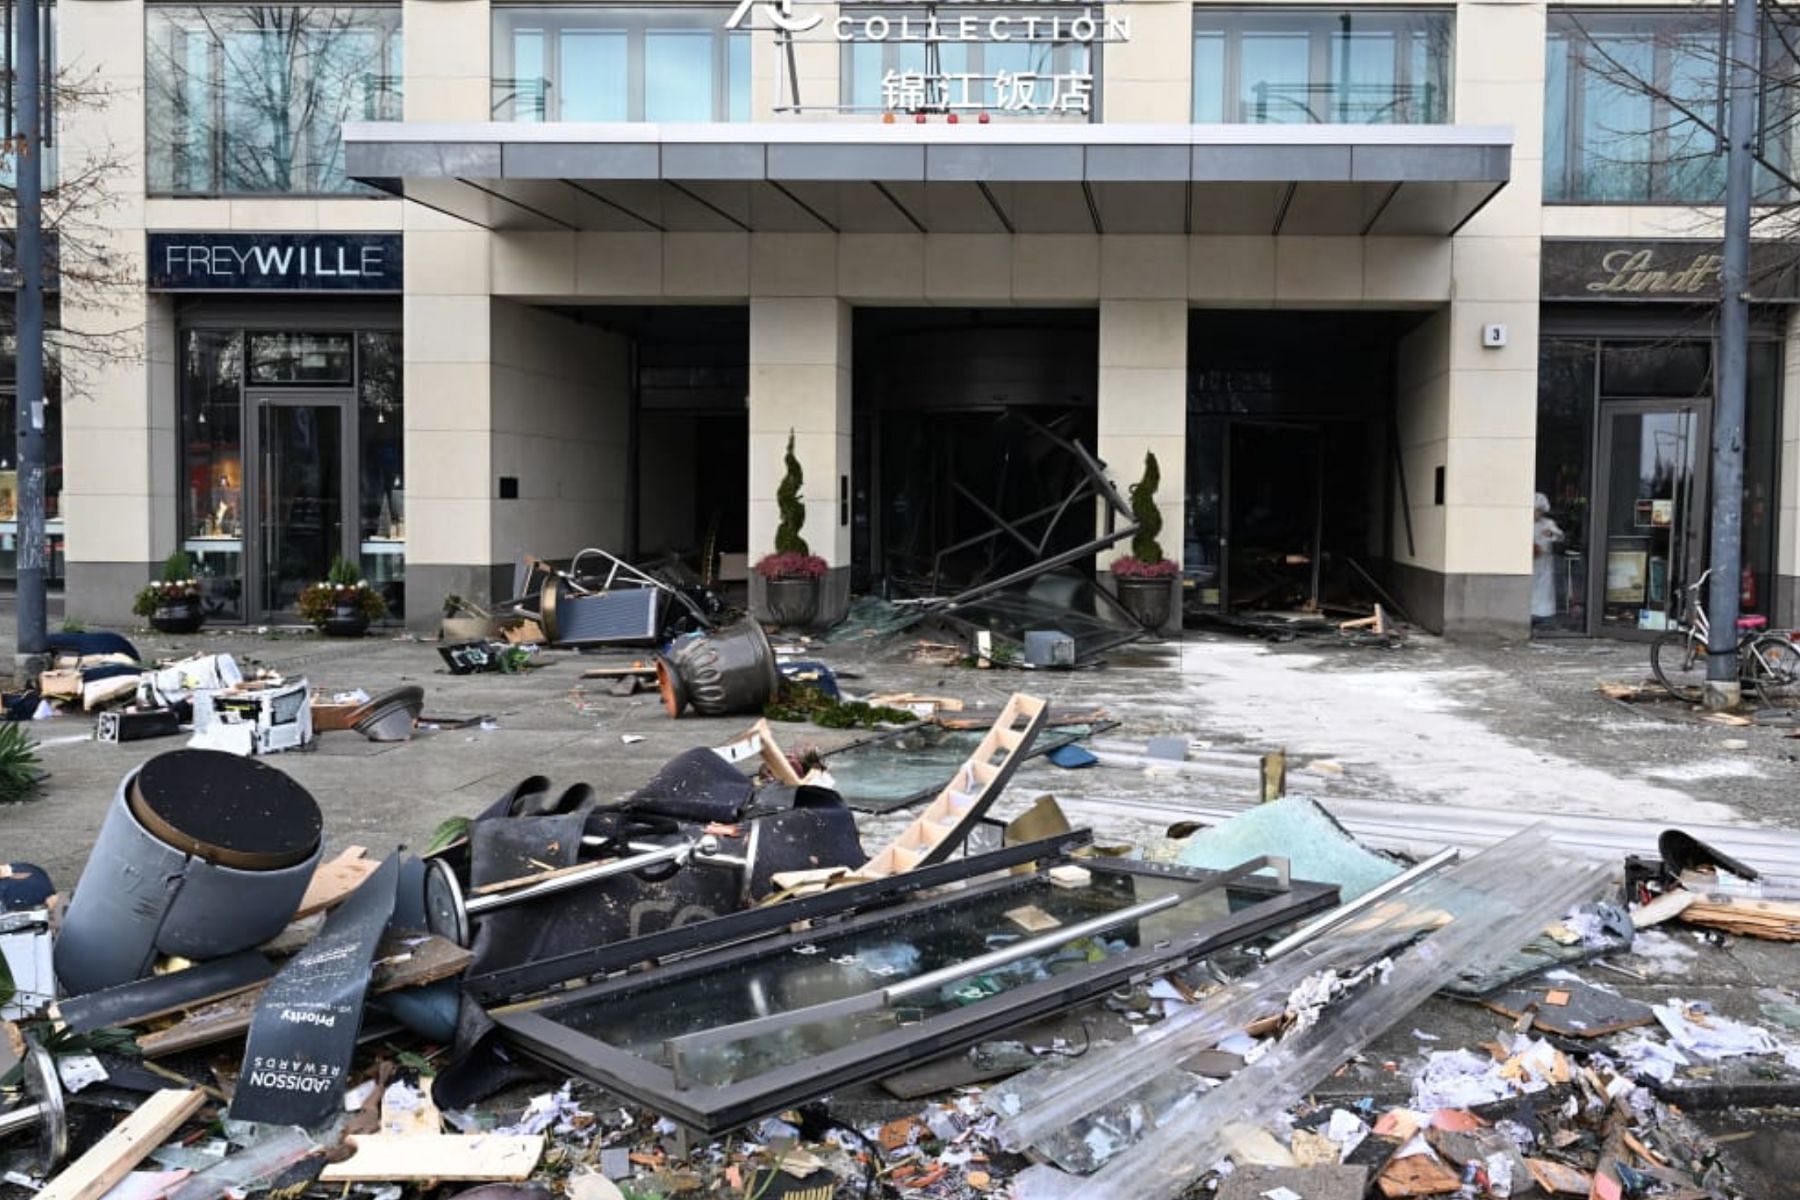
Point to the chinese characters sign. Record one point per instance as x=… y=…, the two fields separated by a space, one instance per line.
x=1006 y=91
x=915 y=81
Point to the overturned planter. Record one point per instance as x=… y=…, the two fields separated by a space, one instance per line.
x=202 y=854
x=725 y=671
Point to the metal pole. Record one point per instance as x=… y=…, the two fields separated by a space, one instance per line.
x=1722 y=689
x=29 y=406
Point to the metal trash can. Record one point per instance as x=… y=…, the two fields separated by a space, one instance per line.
x=202 y=854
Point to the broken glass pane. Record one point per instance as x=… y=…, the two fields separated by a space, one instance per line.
x=862 y=963
x=894 y=770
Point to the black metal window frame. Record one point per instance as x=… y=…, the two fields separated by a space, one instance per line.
x=537 y=1031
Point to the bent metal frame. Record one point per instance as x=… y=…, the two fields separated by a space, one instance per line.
x=541 y=1028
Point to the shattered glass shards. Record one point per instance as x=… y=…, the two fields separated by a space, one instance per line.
x=898 y=769
x=1314 y=844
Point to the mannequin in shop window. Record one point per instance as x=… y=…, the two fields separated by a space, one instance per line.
x=1545 y=536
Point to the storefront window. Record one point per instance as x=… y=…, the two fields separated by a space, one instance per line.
x=667 y=63
x=314 y=359
x=1631 y=101
x=212 y=465
x=1268 y=67
x=9 y=38
x=1623 y=451
x=250 y=99
x=1565 y=450
x=886 y=67
x=380 y=424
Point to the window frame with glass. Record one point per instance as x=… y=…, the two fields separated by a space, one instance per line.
x=273 y=86
x=1319 y=49
x=47 y=43
x=220 y=483
x=633 y=59
x=1652 y=68
x=1591 y=373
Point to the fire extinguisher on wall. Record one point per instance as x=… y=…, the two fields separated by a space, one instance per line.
x=1747 y=590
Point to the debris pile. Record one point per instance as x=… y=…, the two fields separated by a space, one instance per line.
x=710 y=985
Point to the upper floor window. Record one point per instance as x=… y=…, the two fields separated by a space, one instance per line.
x=1631 y=108
x=1269 y=66
x=9 y=101
x=664 y=62
x=250 y=99
x=1026 y=60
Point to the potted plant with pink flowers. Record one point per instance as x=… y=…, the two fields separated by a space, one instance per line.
x=791 y=575
x=1144 y=576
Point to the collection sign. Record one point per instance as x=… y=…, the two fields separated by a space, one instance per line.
x=275 y=262
x=1047 y=23
x=1669 y=271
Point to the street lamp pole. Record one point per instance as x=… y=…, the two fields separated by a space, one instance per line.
x=29 y=409
x=1722 y=690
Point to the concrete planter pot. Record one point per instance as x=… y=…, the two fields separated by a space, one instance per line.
x=1149 y=601
x=178 y=616
x=792 y=603
x=730 y=670
x=345 y=621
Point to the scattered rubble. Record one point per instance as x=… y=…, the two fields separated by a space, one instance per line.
x=709 y=985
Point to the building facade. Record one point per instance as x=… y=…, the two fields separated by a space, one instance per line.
x=1405 y=299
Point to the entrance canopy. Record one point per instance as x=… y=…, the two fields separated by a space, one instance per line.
x=941 y=178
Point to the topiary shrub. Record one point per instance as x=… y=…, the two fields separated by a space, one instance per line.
x=1144 y=546
x=793 y=512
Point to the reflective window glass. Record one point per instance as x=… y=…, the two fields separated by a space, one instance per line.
x=1631 y=108
x=1268 y=66
x=47 y=58
x=251 y=99
x=302 y=358
x=670 y=63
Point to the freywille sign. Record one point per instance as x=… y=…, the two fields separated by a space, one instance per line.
x=284 y=262
x=1040 y=22
x=1670 y=271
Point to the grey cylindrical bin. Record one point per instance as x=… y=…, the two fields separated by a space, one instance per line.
x=202 y=854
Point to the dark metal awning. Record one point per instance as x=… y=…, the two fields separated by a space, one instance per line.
x=941 y=178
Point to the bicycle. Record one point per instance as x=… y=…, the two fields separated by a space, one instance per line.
x=1768 y=663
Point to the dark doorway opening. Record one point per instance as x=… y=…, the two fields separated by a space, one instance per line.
x=1290 y=463
x=963 y=416
x=688 y=496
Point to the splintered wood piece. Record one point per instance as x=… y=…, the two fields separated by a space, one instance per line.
x=397 y=965
x=334 y=880
x=1664 y=907
x=1418 y=1175
x=385 y=1158
x=130 y=1142
x=1775 y=920
x=1558 y=1179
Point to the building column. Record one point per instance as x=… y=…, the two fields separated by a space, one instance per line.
x=800 y=384
x=1149 y=77
x=118 y=496
x=1142 y=403
x=451 y=489
x=1489 y=424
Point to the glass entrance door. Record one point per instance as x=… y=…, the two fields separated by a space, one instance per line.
x=1651 y=514
x=304 y=497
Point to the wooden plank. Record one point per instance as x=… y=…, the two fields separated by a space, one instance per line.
x=392 y=1158
x=1664 y=907
x=1775 y=920
x=129 y=1143
x=334 y=880
x=398 y=966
